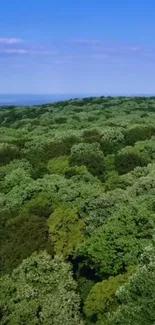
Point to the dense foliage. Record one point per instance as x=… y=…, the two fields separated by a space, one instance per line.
x=39 y=290
x=77 y=212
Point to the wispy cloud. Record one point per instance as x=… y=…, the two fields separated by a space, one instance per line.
x=19 y=66
x=13 y=51
x=76 y=51
x=131 y=49
x=85 y=42
x=16 y=46
x=10 y=41
x=104 y=46
x=100 y=56
x=43 y=52
x=22 y=51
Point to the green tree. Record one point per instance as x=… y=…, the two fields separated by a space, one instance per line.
x=129 y=158
x=137 y=297
x=8 y=152
x=91 y=136
x=78 y=172
x=40 y=205
x=102 y=299
x=58 y=165
x=89 y=155
x=119 y=243
x=112 y=140
x=66 y=230
x=16 y=177
x=40 y=291
x=19 y=238
x=138 y=133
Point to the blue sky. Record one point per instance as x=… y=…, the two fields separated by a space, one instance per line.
x=74 y=47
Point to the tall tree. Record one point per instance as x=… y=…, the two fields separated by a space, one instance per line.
x=137 y=297
x=40 y=291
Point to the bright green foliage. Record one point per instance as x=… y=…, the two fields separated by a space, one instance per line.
x=66 y=230
x=78 y=171
x=14 y=164
x=137 y=297
x=112 y=140
x=40 y=291
x=119 y=243
x=147 y=146
x=58 y=165
x=20 y=194
x=89 y=155
x=102 y=299
x=135 y=175
x=99 y=209
x=15 y=178
x=77 y=178
x=14 y=174
x=40 y=205
x=74 y=191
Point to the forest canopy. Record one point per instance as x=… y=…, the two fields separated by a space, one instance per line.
x=77 y=212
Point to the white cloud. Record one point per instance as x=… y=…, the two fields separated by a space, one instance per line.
x=10 y=41
x=26 y=51
x=14 y=51
x=85 y=42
